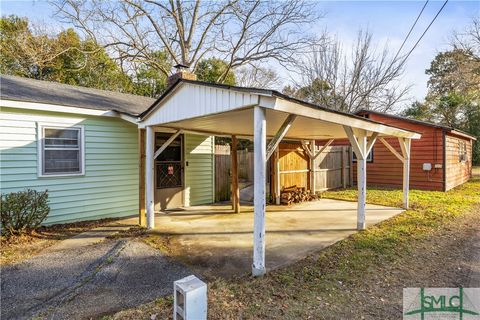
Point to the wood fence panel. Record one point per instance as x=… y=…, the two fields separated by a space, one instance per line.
x=332 y=167
x=294 y=167
x=245 y=165
x=223 y=165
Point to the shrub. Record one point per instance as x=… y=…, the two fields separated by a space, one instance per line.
x=23 y=211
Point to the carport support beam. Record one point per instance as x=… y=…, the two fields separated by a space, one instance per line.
x=149 y=176
x=312 y=168
x=405 y=146
x=277 y=176
x=260 y=159
x=235 y=188
x=362 y=184
x=359 y=146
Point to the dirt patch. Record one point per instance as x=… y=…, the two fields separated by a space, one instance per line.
x=21 y=247
x=133 y=233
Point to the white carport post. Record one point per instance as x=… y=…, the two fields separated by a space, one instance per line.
x=405 y=146
x=361 y=179
x=361 y=145
x=260 y=161
x=149 y=176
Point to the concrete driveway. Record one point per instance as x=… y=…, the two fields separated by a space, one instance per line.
x=215 y=241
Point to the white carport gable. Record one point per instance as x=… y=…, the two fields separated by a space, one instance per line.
x=188 y=100
x=248 y=112
x=226 y=110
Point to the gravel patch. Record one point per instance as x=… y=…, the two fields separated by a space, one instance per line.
x=87 y=282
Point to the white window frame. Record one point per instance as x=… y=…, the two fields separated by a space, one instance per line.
x=40 y=151
x=369 y=157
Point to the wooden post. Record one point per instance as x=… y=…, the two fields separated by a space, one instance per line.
x=312 y=167
x=350 y=169
x=344 y=168
x=260 y=158
x=141 y=179
x=149 y=176
x=235 y=188
x=277 y=176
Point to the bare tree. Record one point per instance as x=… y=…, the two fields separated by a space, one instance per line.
x=257 y=77
x=238 y=31
x=366 y=78
x=469 y=39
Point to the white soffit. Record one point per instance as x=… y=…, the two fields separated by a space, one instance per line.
x=240 y=123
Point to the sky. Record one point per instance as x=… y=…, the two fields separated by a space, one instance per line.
x=388 y=21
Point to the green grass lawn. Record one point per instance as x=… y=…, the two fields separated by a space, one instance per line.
x=325 y=283
x=476 y=171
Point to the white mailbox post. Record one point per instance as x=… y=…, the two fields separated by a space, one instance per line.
x=190 y=299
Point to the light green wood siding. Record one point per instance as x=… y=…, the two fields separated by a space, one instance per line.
x=199 y=174
x=109 y=187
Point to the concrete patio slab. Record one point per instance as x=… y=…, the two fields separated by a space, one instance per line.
x=218 y=242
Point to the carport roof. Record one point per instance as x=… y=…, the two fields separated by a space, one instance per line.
x=223 y=110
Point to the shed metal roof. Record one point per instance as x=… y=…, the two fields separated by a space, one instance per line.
x=420 y=122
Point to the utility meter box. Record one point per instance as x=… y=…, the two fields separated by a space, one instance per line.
x=438 y=166
x=427 y=167
x=190 y=299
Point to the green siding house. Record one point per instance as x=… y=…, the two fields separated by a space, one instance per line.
x=83 y=146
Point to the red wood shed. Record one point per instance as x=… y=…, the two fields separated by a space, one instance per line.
x=440 y=160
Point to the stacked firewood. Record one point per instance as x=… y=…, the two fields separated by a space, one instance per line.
x=296 y=194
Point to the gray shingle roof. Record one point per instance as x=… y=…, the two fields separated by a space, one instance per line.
x=30 y=90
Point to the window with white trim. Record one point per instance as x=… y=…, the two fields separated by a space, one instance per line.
x=61 y=150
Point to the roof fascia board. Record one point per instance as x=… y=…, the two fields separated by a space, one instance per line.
x=157 y=104
x=341 y=119
x=64 y=109
x=462 y=134
x=420 y=122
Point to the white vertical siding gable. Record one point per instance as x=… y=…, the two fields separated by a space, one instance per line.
x=191 y=100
